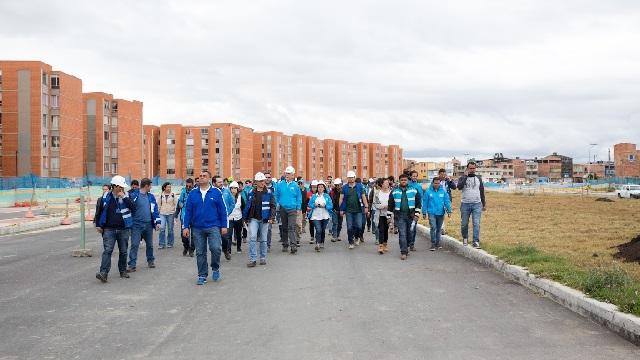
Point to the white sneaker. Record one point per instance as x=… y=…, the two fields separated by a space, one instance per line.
x=476 y=245
x=357 y=241
x=465 y=242
x=351 y=246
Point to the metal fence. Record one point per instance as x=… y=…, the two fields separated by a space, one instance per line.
x=37 y=182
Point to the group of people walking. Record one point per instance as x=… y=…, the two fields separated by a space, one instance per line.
x=214 y=213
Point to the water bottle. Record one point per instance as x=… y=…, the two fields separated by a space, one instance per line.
x=413 y=225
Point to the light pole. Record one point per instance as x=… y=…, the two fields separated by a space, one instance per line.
x=589 y=160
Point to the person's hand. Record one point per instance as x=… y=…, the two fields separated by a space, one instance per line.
x=341 y=213
x=223 y=231
x=270 y=221
x=185 y=233
x=484 y=208
x=99 y=230
x=157 y=227
x=121 y=194
x=449 y=215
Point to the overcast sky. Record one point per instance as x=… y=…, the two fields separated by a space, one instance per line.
x=440 y=78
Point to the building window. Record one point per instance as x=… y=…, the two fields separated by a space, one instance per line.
x=55 y=142
x=205 y=152
x=45 y=99
x=106 y=136
x=44 y=78
x=632 y=157
x=204 y=131
x=55 y=83
x=55 y=163
x=205 y=162
x=106 y=167
x=114 y=168
x=171 y=171
x=55 y=122
x=114 y=138
x=55 y=101
x=44 y=141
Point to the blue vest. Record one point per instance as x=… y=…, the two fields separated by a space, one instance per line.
x=266 y=201
x=126 y=212
x=411 y=197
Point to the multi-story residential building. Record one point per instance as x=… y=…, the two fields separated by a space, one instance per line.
x=376 y=161
x=315 y=168
x=151 y=146
x=330 y=158
x=555 y=167
x=343 y=164
x=625 y=156
x=41 y=125
x=363 y=158
x=299 y=153
x=531 y=171
x=395 y=161
x=114 y=136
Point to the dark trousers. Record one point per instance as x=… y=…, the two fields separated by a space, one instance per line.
x=109 y=239
x=383 y=230
x=369 y=222
x=187 y=242
x=235 y=229
x=312 y=228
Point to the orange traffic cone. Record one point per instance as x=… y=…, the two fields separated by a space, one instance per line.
x=29 y=214
x=66 y=220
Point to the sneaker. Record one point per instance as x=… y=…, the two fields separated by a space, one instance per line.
x=377 y=242
x=351 y=246
x=412 y=248
x=227 y=254
x=269 y=249
x=312 y=241
x=362 y=240
x=102 y=276
x=317 y=247
x=238 y=251
x=338 y=239
x=403 y=257
x=263 y=261
x=465 y=242
x=161 y=247
x=357 y=242
x=215 y=276
x=244 y=240
x=433 y=248
x=293 y=251
x=251 y=264
x=233 y=242
x=321 y=245
x=201 y=280
x=443 y=232
x=476 y=245
x=191 y=253
x=170 y=246
x=151 y=265
x=333 y=239
x=285 y=249
x=184 y=252
x=131 y=269
x=380 y=249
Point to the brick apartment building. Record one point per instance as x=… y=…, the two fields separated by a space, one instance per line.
x=150 y=149
x=555 y=167
x=41 y=124
x=114 y=136
x=625 y=157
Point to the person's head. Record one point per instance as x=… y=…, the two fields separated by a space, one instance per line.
x=259 y=180
x=329 y=179
x=248 y=183
x=267 y=176
x=321 y=187
x=217 y=181
x=471 y=168
x=118 y=184
x=392 y=180
x=351 y=177
x=414 y=175
x=358 y=180
x=314 y=186
x=234 y=187
x=404 y=180
x=204 y=179
x=442 y=173
x=166 y=188
x=288 y=173
x=240 y=185
x=106 y=188
x=301 y=183
x=145 y=185
x=225 y=182
x=337 y=183
x=189 y=184
x=384 y=185
x=436 y=182
x=134 y=184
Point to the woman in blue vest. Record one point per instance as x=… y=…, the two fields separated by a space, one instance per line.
x=320 y=207
x=259 y=213
x=113 y=220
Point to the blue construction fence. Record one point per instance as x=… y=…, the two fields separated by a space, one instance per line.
x=33 y=181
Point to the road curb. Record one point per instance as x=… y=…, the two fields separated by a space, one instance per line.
x=626 y=325
x=36 y=225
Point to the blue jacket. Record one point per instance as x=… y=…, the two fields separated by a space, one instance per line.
x=205 y=214
x=416 y=185
x=288 y=195
x=229 y=201
x=267 y=207
x=182 y=200
x=124 y=208
x=436 y=202
x=155 y=215
x=345 y=190
x=312 y=204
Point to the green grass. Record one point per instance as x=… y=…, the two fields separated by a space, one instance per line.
x=614 y=286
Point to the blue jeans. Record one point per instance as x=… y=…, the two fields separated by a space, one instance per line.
x=269 y=236
x=202 y=238
x=404 y=232
x=261 y=229
x=139 y=232
x=475 y=211
x=109 y=239
x=167 y=228
x=354 y=224
x=435 y=222
x=336 y=222
x=374 y=225
x=321 y=226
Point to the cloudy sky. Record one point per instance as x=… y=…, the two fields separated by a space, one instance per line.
x=524 y=78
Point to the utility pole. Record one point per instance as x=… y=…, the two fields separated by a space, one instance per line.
x=589 y=160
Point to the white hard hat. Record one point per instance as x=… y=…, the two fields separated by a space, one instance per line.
x=371 y=180
x=337 y=181
x=234 y=184
x=119 y=180
x=289 y=170
x=314 y=183
x=321 y=182
x=260 y=177
x=351 y=174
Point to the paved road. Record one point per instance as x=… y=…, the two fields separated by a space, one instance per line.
x=338 y=304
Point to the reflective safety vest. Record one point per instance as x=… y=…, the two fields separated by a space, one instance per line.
x=125 y=212
x=265 y=206
x=411 y=197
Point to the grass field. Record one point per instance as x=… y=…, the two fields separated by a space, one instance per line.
x=567 y=238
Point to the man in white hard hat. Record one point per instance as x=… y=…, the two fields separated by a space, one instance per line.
x=353 y=204
x=113 y=220
x=259 y=213
x=290 y=200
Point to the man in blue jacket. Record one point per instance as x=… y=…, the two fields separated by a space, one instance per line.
x=145 y=218
x=290 y=200
x=206 y=215
x=435 y=202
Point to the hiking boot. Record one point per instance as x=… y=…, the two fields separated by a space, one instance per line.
x=123 y=274
x=476 y=245
x=381 y=249
x=131 y=269
x=403 y=257
x=465 y=242
x=386 y=248
x=412 y=248
x=102 y=276
x=191 y=253
x=251 y=264
x=263 y=261
x=351 y=246
x=151 y=265
x=184 y=252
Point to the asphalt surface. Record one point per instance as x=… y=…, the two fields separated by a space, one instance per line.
x=338 y=304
